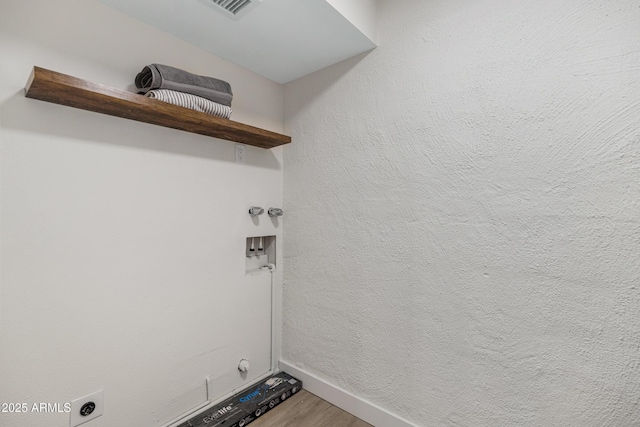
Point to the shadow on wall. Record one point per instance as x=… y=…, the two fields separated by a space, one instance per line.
x=31 y=115
x=328 y=77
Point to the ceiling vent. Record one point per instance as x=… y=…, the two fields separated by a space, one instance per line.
x=235 y=8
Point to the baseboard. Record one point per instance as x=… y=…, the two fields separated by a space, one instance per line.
x=361 y=408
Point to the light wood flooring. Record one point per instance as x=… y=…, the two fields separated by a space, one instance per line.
x=304 y=409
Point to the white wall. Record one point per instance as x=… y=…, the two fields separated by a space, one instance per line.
x=463 y=227
x=361 y=13
x=122 y=243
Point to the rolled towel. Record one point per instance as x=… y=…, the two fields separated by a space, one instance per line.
x=190 y=101
x=158 y=76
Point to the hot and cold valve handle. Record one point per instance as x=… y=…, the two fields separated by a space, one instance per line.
x=255 y=211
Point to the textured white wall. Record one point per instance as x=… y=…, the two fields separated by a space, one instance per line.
x=463 y=215
x=122 y=243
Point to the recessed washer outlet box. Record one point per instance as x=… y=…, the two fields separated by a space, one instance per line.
x=234 y=9
x=260 y=251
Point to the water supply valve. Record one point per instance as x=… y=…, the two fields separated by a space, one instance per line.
x=275 y=212
x=255 y=211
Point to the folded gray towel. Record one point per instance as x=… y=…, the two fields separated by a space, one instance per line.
x=158 y=76
x=192 y=102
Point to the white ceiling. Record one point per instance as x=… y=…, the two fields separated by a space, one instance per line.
x=279 y=39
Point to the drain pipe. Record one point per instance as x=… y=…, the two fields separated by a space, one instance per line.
x=274 y=361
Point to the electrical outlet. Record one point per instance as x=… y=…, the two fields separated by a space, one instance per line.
x=241 y=154
x=86 y=408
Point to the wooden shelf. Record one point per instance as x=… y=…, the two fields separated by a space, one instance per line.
x=58 y=88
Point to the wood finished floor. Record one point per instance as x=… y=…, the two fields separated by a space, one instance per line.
x=304 y=409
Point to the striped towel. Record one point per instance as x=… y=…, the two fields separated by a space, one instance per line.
x=192 y=102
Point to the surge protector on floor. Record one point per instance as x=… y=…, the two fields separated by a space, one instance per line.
x=242 y=408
